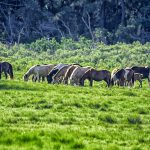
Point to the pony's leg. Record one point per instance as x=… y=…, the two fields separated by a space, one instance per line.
x=35 y=79
x=91 y=82
x=0 y=75
x=43 y=79
x=38 y=77
x=6 y=76
x=76 y=81
x=81 y=82
x=149 y=80
x=65 y=80
x=61 y=79
x=140 y=85
x=108 y=83
x=71 y=82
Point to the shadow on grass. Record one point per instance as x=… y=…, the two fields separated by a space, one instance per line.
x=16 y=85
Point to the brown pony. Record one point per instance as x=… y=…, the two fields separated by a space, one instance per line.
x=58 y=77
x=68 y=73
x=76 y=75
x=96 y=75
x=7 y=69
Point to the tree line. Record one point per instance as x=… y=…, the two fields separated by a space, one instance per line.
x=109 y=21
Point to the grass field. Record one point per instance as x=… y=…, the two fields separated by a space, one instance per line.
x=42 y=116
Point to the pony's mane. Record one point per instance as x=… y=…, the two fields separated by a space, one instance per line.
x=76 y=64
x=30 y=71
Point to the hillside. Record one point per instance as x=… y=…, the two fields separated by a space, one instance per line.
x=45 y=116
x=41 y=116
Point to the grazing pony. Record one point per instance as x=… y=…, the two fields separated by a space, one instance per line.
x=7 y=69
x=142 y=70
x=58 y=77
x=54 y=71
x=124 y=77
x=76 y=75
x=68 y=73
x=38 y=71
x=96 y=75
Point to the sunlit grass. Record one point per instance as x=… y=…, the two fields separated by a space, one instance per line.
x=42 y=116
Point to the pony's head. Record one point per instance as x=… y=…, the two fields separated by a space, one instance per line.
x=10 y=72
x=25 y=77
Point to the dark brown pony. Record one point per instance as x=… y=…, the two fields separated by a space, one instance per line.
x=142 y=70
x=68 y=73
x=7 y=69
x=96 y=75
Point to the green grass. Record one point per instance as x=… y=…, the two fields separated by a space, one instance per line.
x=42 y=116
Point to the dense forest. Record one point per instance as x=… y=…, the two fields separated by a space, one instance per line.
x=109 y=21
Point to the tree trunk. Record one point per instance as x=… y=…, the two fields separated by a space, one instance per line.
x=123 y=13
x=103 y=14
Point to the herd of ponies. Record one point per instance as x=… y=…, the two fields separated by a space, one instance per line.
x=75 y=74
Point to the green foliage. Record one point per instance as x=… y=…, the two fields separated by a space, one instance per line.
x=117 y=21
x=99 y=55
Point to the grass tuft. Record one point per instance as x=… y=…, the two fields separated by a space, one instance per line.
x=134 y=119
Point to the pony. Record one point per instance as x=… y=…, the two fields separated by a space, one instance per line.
x=38 y=71
x=96 y=75
x=142 y=70
x=138 y=77
x=54 y=71
x=58 y=77
x=77 y=74
x=116 y=82
x=68 y=73
x=123 y=77
x=7 y=69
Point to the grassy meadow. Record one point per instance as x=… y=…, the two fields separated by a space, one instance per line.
x=41 y=116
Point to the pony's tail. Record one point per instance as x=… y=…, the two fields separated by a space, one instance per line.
x=132 y=80
x=11 y=71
